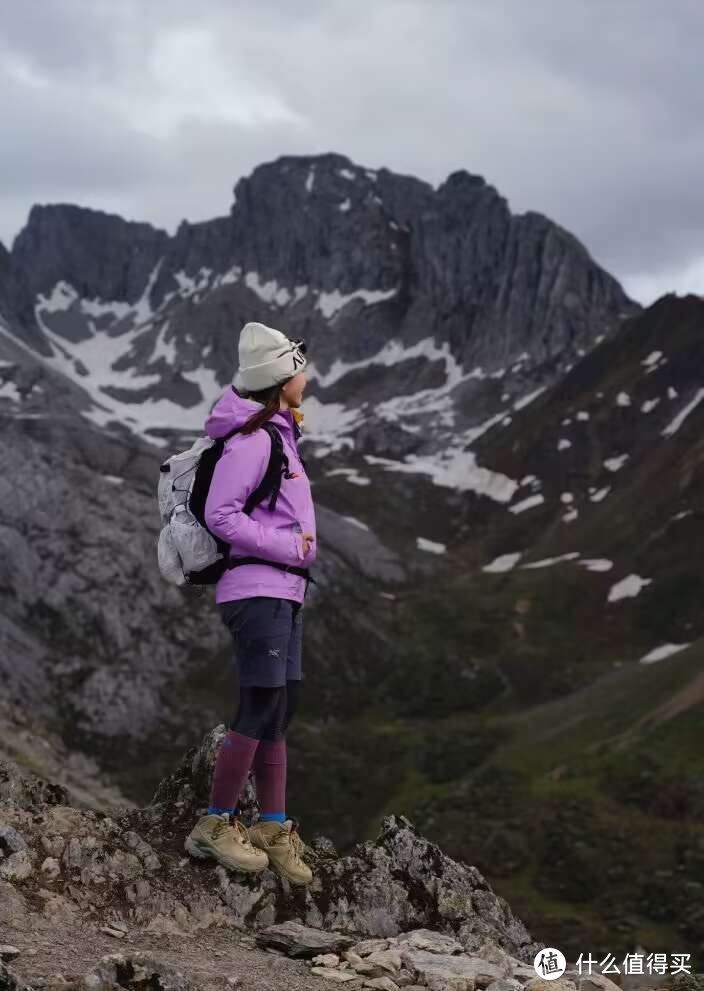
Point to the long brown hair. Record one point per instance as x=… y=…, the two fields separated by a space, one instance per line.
x=271 y=399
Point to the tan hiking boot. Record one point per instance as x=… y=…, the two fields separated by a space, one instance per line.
x=225 y=840
x=284 y=846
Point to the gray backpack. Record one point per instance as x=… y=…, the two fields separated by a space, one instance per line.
x=187 y=552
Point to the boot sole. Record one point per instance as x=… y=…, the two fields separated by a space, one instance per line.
x=297 y=881
x=205 y=853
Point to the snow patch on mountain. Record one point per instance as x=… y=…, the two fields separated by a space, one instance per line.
x=663 y=651
x=502 y=563
x=9 y=390
x=548 y=561
x=433 y=546
x=143 y=309
x=675 y=424
x=507 y=562
x=455 y=470
x=163 y=348
x=528 y=503
x=596 y=495
x=613 y=464
x=330 y=302
x=433 y=400
x=350 y=474
x=64 y=297
x=524 y=400
x=268 y=292
x=596 y=564
x=655 y=360
x=353 y=519
x=628 y=587
x=652 y=359
x=326 y=425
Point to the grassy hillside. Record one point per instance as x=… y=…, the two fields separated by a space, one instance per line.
x=585 y=812
x=508 y=713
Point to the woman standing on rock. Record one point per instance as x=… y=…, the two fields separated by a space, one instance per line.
x=261 y=602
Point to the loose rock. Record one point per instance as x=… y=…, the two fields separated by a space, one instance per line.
x=298 y=940
x=381 y=984
x=388 y=960
x=16 y=867
x=134 y=972
x=426 y=939
x=326 y=960
x=341 y=976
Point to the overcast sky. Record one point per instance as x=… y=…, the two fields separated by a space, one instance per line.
x=590 y=111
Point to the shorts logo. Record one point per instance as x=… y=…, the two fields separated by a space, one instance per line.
x=274 y=651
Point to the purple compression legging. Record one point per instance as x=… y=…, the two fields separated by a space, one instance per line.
x=256 y=739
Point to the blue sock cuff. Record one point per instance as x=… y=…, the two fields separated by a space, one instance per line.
x=273 y=816
x=213 y=810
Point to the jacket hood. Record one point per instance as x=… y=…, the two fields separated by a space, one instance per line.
x=233 y=410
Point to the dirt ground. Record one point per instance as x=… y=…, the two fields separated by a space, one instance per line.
x=207 y=958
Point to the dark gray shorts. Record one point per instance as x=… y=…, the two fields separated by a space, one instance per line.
x=267 y=633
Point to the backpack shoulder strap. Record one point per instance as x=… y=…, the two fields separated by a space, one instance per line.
x=271 y=482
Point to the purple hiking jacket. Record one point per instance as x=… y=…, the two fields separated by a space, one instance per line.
x=274 y=535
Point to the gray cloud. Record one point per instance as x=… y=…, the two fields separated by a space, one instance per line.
x=589 y=111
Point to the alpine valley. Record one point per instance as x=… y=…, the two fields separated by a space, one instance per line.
x=506 y=641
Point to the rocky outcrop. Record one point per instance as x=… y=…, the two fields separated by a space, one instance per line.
x=127 y=874
x=99 y=254
x=16 y=305
x=400 y=880
x=397 y=913
x=80 y=609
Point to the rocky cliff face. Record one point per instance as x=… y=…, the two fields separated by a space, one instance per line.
x=99 y=254
x=388 y=279
x=396 y=908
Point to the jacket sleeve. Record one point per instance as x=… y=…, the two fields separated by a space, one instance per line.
x=237 y=473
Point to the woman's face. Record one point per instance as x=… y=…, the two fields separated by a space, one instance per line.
x=293 y=389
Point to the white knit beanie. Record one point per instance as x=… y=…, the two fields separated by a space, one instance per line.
x=266 y=357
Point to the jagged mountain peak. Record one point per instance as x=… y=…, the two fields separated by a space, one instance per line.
x=47 y=217
x=356 y=260
x=324 y=163
x=463 y=182
x=326 y=179
x=98 y=253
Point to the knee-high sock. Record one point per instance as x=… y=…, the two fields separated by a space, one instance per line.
x=270 y=764
x=232 y=765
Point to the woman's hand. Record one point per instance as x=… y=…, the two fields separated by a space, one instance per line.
x=308 y=539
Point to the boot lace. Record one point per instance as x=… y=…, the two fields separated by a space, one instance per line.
x=298 y=847
x=220 y=827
